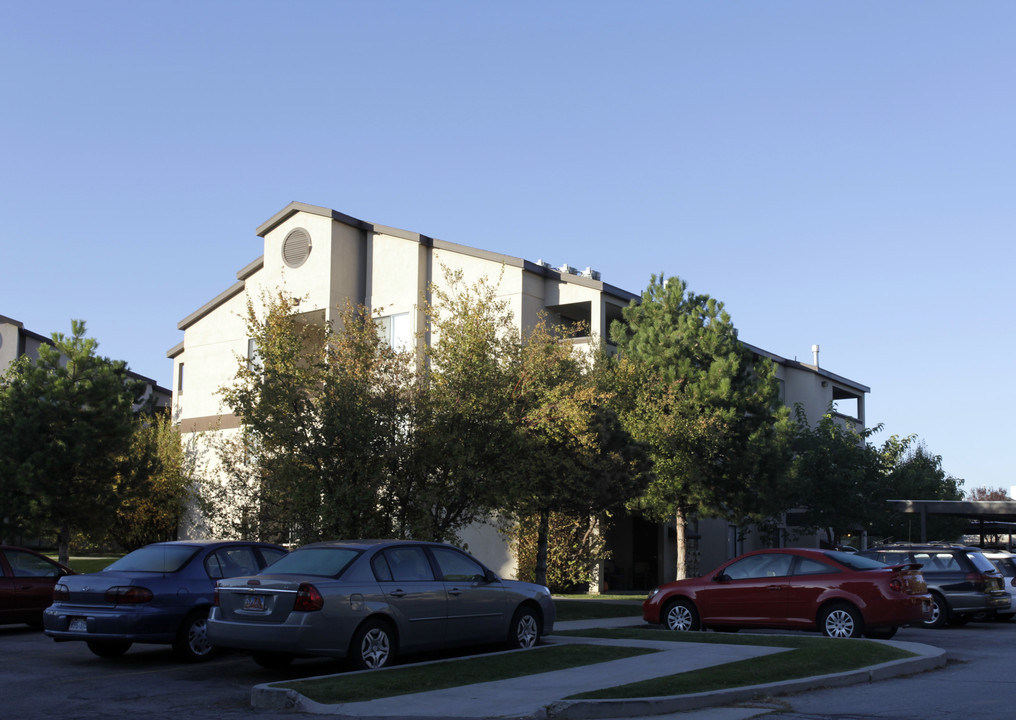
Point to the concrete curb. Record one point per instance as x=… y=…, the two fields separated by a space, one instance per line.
x=929 y=658
x=266 y=697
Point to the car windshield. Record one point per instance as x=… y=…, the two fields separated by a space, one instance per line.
x=322 y=561
x=855 y=561
x=155 y=559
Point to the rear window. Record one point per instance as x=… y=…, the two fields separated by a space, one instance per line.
x=855 y=561
x=980 y=562
x=322 y=562
x=1005 y=566
x=155 y=559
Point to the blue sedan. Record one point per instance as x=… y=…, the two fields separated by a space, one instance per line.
x=160 y=593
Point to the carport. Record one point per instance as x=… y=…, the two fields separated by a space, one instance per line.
x=985 y=513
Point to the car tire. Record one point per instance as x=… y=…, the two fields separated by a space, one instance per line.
x=272 y=660
x=191 y=644
x=939 y=612
x=681 y=616
x=881 y=633
x=841 y=620
x=108 y=648
x=524 y=632
x=373 y=646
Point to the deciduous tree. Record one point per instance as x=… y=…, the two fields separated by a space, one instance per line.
x=154 y=484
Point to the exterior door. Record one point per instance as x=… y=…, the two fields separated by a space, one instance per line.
x=417 y=598
x=750 y=591
x=476 y=608
x=32 y=580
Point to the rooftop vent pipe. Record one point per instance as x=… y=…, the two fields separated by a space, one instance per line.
x=814 y=352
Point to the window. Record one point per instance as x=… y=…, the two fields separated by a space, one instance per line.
x=395 y=330
x=409 y=564
x=807 y=566
x=760 y=566
x=27 y=565
x=319 y=561
x=457 y=567
x=253 y=361
x=231 y=562
x=179 y=379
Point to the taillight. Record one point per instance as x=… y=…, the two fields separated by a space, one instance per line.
x=308 y=599
x=215 y=596
x=128 y=594
x=896 y=585
x=61 y=592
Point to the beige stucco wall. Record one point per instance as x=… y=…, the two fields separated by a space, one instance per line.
x=486 y=543
x=8 y=344
x=212 y=348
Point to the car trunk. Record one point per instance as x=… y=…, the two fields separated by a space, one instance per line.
x=263 y=599
x=91 y=589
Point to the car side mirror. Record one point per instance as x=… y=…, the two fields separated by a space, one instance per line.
x=489 y=576
x=721 y=577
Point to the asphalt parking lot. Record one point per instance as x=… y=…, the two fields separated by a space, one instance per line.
x=45 y=679
x=41 y=678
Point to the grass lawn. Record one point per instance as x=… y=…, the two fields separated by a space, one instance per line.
x=808 y=656
x=84 y=564
x=453 y=673
x=573 y=609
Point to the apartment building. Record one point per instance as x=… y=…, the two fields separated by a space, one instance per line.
x=17 y=341
x=325 y=258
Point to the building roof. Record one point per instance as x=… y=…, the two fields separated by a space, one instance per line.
x=49 y=341
x=540 y=268
x=839 y=379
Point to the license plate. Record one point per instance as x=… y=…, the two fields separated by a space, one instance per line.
x=253 y=602
x=78 y=625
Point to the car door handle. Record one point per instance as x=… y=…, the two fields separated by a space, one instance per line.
x=455 y=591
x=397 y=593
x=776 y=587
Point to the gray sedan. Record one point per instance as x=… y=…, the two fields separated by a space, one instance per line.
x=368 y=600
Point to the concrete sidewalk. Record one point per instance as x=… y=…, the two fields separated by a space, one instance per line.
x=542 y=696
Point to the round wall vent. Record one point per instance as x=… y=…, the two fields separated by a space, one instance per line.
x=296 y=248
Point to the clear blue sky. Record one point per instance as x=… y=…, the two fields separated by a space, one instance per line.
x=839 y=173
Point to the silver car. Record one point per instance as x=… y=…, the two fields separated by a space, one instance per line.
x=369 y=600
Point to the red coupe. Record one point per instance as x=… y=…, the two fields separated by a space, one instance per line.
x=841 y=594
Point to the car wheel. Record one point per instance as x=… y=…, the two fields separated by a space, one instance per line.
x=681 y=615
x=271 y=660
x=881 y=633
x=524 y=632
x=842 y=621
x=108 y=648
x=373 y=646
x=939 y=612
x=192 y=643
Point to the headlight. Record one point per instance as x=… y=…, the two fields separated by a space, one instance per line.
x=652 y=593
